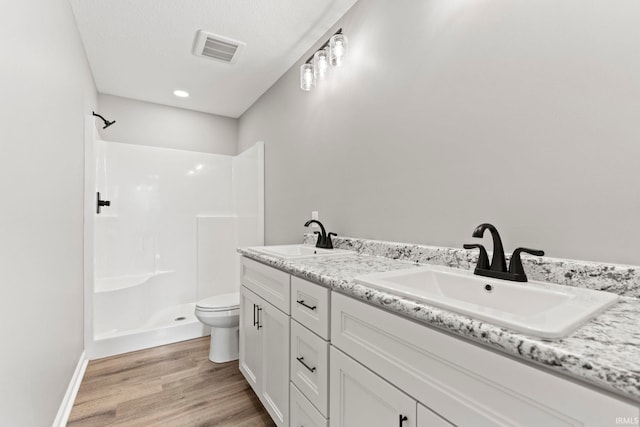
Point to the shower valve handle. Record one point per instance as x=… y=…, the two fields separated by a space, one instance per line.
x=102 y=203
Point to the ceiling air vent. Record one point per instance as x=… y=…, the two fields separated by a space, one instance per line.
x=217 y=47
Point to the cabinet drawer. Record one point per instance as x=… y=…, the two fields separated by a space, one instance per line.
x=310 y=365
x=303 y=413
x=462 y=382
x=270 y=284
x=310 y=306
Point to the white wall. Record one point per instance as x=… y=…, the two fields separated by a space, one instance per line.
x=450 y=113
x=47 y=90
x=145 y=123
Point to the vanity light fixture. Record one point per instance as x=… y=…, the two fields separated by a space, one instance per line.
x=330 y=54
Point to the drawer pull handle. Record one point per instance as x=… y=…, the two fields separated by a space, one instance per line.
x=301 y=360
x=258 y=325
x=254 y=315
x=402 y=419
x=301 y=302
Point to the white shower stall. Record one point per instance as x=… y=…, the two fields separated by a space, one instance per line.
x=167 y=239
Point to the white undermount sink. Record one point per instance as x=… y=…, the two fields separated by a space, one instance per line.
x=543 y=310
x=297 y=251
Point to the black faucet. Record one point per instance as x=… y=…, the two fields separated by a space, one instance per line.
x=498 y=267
x=324 y=239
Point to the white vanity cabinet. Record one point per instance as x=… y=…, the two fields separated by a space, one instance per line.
x=264 y=336
x=462 y=382
x=317 y=358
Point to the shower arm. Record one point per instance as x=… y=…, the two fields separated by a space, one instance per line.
x=107 y=123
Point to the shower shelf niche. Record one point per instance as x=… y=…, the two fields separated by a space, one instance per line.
x=110 y=284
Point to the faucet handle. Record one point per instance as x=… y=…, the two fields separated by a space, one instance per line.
x=536 y=252
x=329 y=243
x=483 y=258
x=515 y=265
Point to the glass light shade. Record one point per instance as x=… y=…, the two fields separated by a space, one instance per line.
x=337 y=49
x=321 y=64
x=307 y=80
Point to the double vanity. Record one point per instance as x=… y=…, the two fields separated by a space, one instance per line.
x=381 y=334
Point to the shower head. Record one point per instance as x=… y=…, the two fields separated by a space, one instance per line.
x=107 y=123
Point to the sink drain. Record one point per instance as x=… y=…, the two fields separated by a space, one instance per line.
x=178 y=319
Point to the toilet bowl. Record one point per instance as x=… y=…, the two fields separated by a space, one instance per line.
x=222 y=313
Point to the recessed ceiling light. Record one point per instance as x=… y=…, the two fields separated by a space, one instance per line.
x=181 y=93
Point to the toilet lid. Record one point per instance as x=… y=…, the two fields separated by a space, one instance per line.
x=220 y=302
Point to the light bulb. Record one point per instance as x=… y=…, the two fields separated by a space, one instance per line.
x=321 y=64
x=307 y=79
x=337 y=49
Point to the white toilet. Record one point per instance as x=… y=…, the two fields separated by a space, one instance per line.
x=222 y=313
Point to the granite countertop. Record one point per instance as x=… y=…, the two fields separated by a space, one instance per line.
x=605 y=352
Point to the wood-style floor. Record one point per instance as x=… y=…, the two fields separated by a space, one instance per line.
x=172 y=385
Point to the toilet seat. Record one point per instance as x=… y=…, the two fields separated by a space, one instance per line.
x=224 y=302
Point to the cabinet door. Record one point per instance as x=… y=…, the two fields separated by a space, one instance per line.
x=250 y=339
x=427 y=418
x=303 y=413
x=361 y=398
x=274 y=327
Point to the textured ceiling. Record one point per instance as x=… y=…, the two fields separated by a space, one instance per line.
x=142 y=49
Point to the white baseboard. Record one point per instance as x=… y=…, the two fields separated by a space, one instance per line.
x=70 y=396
